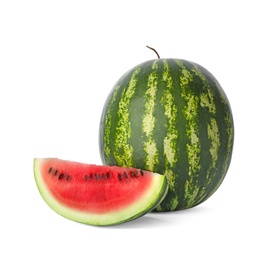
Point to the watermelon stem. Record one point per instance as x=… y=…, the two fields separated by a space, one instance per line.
x=154 y=51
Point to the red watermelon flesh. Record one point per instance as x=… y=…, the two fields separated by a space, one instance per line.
x=95 y=194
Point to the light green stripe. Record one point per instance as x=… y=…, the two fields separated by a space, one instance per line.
x=230 y=131
x=124 y=151
x=171 y=115
x=148 y=122
x=206 y=98
x=213 y=135
x=193 y=148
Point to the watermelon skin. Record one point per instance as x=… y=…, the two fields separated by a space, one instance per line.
x=98 y=195
x=170 y=116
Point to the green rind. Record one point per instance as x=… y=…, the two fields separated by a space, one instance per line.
x=152 y=198
x=179 y=123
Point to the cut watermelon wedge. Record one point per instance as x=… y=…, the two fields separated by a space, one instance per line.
x=98 y=195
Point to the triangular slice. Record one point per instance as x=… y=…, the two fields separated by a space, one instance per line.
x=98 y=195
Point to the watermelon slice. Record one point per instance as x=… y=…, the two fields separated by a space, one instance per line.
x=98 y=195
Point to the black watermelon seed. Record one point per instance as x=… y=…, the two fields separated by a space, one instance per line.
x=91 y=176
x=56 y=172
x=141 y=172
x=104 y=176
x=120 y=176
x=68 y=177
x=108 y=175
x=126 y=175
x=132 y=174
x=98 y=176
x=50 y=169
x=61 y=176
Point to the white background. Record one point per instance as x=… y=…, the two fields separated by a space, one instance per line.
x=58 y=62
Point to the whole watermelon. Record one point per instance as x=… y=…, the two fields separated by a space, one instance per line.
x=172 y=117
